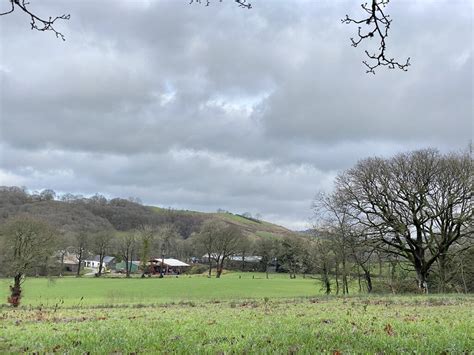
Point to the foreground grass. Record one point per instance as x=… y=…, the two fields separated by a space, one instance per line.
x=304 y=325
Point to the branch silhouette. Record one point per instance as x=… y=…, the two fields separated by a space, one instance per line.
x=379 y=24
x=37 y=23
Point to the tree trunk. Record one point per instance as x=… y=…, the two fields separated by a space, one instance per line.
x=380 y=264
x=368 y=278
x=15 y=291
x=392 y=275
x=462 y=277
x=101 y=261
x=358 y=279
x=337 y=278
x=130 y=264
x=62 y=265
x=127 y=267
x=345 y=288
x=422 y=276
x=442 y=272
x=79 y=259
x=220 y=267
x=162 y=272
x=326 y=282
x=210 y=264
x=421 y=272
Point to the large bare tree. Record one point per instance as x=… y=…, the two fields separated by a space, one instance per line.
x=415 y=205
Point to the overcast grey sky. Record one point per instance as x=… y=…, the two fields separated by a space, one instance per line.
x=203 y=108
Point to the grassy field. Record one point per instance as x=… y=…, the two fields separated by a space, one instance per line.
x=239 y=315
x=71 y=291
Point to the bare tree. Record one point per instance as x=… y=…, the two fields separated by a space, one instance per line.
x=292 y=255
x=336 y=222
x=25 y=244
x=362 y=248
x=205 y=241
x=81 y=243
x=378 y=23
x=146 y=235
x=323 y=259
x=415 y=205
x=126 y=245
x=267 y=248
x=219 y=241
x=245 y=248
x=229 y=243
x=101 y=244
x=168 y=239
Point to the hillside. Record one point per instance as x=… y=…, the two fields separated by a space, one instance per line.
x=71 y=213
x=250 y=226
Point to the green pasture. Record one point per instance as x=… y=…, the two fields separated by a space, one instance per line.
x=239 y=313
x=388 y=325
x=71 y=291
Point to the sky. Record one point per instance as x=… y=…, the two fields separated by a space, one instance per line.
x=218 y=107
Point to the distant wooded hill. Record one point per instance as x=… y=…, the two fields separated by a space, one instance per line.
x=73 y=213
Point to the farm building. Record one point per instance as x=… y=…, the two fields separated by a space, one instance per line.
x=69 y=262
x=167 y=266
x=238 y=258
x=108 y=262
x=133 y=266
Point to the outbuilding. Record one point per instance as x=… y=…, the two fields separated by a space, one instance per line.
x=133 y=266
x=107 y=263
x=167 y=266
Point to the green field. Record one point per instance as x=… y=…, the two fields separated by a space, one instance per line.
x=239 y=315
x=70 y=291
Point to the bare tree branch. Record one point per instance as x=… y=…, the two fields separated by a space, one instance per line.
x=36 y=22
x=379 y=24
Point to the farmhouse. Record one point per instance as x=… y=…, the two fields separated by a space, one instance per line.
x=108 y=262
x=69 y=263
x=167 y=266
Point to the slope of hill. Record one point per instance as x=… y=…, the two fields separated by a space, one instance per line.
x=95 y=213
x=250 y=226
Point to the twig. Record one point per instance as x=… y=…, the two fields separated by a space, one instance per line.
x=37 y=23
x=379 y=24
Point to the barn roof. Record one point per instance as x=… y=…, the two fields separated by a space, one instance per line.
x=171 y=262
